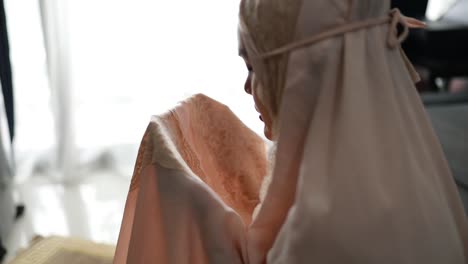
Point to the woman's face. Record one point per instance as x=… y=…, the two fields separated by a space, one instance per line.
x=253 y=88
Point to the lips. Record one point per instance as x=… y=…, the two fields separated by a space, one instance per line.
x=260 y=118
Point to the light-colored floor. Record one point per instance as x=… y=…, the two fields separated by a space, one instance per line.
x=91 y=209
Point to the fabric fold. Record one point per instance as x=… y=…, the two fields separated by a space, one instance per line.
x=194 y=188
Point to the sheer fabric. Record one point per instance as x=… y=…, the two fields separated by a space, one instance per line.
x=194 y=189
x=360 y=176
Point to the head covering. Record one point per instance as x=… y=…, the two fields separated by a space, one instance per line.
x=194 y=188
x=359 y=176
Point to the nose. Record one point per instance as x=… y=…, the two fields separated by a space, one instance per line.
x=248 y=84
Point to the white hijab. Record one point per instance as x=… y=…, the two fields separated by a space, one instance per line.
x=360 y=176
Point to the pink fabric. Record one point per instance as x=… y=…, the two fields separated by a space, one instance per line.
x=195 y=185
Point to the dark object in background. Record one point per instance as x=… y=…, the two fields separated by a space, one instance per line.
x=19 y=211
x=2 y=251
x=413 y=8
x=5 y=71
x=449 y=115
x=416 y=40
x=441 y=48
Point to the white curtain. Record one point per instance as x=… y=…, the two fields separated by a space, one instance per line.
x=111 y=64
x=34 y=123
x=54 y=17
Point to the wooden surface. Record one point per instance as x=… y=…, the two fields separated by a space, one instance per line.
x=58 y=250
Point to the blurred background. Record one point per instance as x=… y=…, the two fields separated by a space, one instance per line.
x=81 y=79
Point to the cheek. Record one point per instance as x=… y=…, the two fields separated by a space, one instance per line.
x=260 y=100
x=257 y=92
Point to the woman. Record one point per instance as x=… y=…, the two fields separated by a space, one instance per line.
x=359 y=176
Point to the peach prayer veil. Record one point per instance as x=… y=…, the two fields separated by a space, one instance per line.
x=194 y=188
